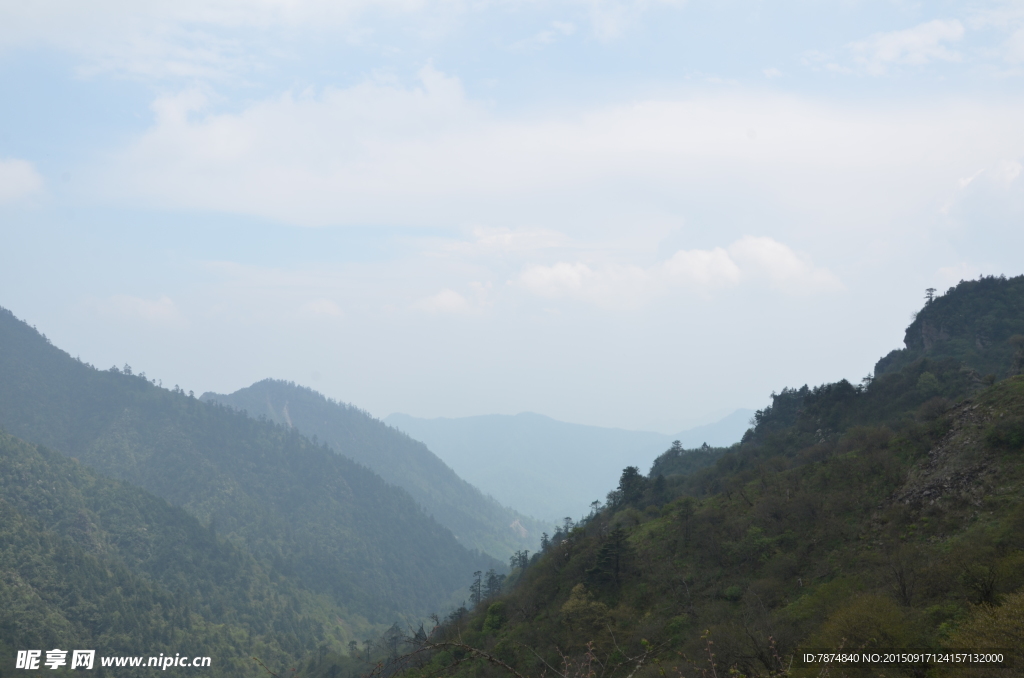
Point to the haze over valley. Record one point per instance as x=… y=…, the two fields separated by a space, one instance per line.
x=551 y=468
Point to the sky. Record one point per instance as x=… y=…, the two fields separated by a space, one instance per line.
x=632 y=213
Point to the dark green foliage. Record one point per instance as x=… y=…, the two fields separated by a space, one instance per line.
x=677 y=461
x=92 y=563
x=318 y=517
x=632 y=486
x=1007 y=434
x=974 y=322
x=865 y=516
x=859 y=538
x=613 y=562
x=477 y=520
x=493 y=583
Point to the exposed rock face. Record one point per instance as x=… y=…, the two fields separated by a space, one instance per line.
x=931 y=334
x=959 y=467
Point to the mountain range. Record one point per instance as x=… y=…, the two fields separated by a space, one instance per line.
x=549 y=468
x=882 y=517
x=887 y=515
x=271 y=524
x=478 y=521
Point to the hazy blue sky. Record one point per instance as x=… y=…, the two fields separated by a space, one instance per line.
x=630 y=213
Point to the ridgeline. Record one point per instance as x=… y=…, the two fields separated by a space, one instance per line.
x=338 y=552
x=886 y=515
x=479 y=522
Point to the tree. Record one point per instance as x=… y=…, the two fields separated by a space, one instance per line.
x=519 y=559
x=929 y=295
x=1018 y=357
x=631 y=486
x=686 y=511
x=659 y=489
x=612 y=560
x=493 y=583
x=476 y=588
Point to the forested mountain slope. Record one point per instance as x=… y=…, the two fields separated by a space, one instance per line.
x=89 y=562
x=333 y=525
x=885 y=515
x=979 y=322
x=478 y=521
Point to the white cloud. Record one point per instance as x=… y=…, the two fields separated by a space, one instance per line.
x=705 y=268
x=558 y=29
x=964 y=182
x=162 y=312
x=1000 y=175
x=445 y=301
x=320 y=308
x=18 y=179
x=750 y=259
x=172 y=38
x=610 y=19
x=915 y=46
x=1014 y=49
x=772 y=73
x=561 y=279
x=381 y=153
x=492 y=241
x=226 y=39
x=770 y=260
x=606 y=285
x=1007 y=171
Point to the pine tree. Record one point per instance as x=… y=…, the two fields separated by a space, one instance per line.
x=476 y=589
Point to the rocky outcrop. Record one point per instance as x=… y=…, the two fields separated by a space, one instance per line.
x=959 y=467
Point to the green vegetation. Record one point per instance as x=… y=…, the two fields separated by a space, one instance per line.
x=92 y=563
x=331 y=527
x=478 y=521
x=888 y=514
x=978 y=322
x=884 y=515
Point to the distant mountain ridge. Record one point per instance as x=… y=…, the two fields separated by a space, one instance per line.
x=547 y=467
x=478 y=521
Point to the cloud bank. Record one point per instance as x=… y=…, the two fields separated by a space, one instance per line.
x=18 y=179
x=427 y=154
x=750 y=259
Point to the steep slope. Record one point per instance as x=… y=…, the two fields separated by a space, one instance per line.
x=533 y=463
x=979 y=322
x=886 y=515
x=478 y=521
x=335 y=526
x=88 y=562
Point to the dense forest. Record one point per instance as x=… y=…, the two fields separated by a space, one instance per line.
x=343 y=552
x=478 y=521
x=888 y=514
x=89 y=562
